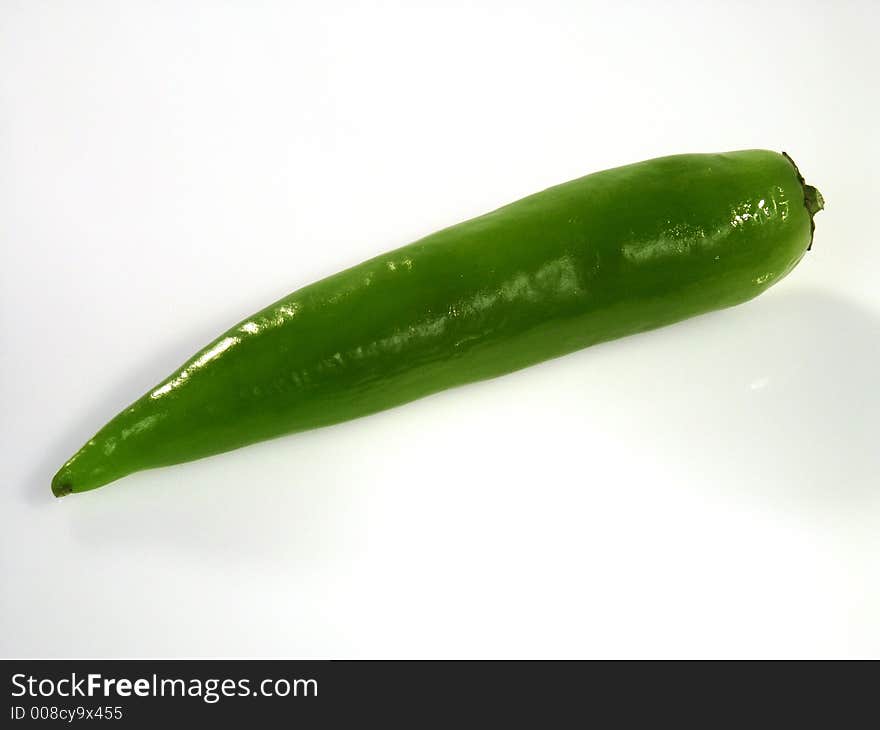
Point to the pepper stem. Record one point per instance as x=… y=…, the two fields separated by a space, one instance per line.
x=813 y=200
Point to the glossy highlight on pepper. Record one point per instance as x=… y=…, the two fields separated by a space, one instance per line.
x=606 y=255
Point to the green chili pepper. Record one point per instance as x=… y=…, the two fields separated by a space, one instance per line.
x=607 y=255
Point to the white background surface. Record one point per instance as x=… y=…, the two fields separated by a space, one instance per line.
x=166 y=168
